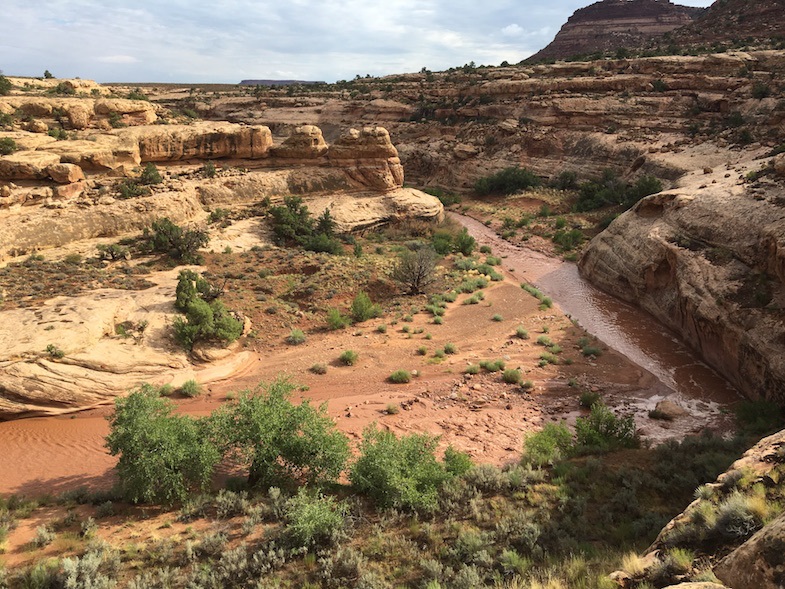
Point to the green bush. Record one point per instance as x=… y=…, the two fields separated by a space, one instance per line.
x=5 y=86
x=611 y=190
x=602 y=431
x=511 y=376
x=759 y=417
x=457 y=463
x=206 y=322
x=492 y=365
x=314 y=519
x=547 y=446
x=167 y=238
x=335 y=320
x=449 y=348
x=150 y=175
x=277 y=441
x=163 y=457
x=363 y=309
x=349 y=358
x=507 y=181
x=7 y=146
x=191 y=388
x=295 y=337
x=402 y=473
x=400 y=377
x=522 y=332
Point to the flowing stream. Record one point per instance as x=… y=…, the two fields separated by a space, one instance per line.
x=623 y=327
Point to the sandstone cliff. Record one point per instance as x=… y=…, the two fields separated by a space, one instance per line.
x=732 y=21
x=612 y=24
x=707 y=260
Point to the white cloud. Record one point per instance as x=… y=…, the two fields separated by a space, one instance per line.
x=118 y=59
x=512 y=30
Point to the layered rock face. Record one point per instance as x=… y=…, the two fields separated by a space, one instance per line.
x=708 y=261
x=732 y=20
x=611 y=24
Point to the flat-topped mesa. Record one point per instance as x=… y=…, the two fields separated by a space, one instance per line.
x=613 y=24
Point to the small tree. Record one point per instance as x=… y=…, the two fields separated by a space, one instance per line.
x=416 y=269
x=278 y=441
x=363 y=308
x=167 y=238
x=163 y=457
x=5 y=86
x=48 y=75
x=399 y=472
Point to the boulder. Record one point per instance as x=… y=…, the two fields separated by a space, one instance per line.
x=65 y=173
x=306 y=142
x=759 y=563
x=27 y=165
x=670 y=410
x=370 y=143
x=36 y=127
x=199 y=141
x=779 y=165
x=79 y=116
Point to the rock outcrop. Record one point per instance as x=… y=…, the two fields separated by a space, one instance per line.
x=83 y=113
x=759 y=563
x=732 y=20
x=613 y=24
x=708 y=261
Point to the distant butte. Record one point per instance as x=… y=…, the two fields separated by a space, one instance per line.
x=278 y=82
x=611 y=24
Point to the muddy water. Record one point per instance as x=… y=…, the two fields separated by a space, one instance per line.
x=621 y=326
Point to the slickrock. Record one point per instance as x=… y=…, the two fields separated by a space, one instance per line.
x=305 y=142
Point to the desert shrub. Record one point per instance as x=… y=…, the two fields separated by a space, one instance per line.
x=348 y=357
x=472 y=369
x=492 y=365
x=278 y=441
x=611 y=190
x=507 y=181
x=498 y=318
x=547 y=446
x=739 y=515
x=522 y=332
x=568 y=240
x=54 y=352
x=761 y=90
x=167 y=238
x=130 y=188
x=759 y=417
x=7 y=146
x=5 y=86
x=457 y=463
x=206 y=322
x=292 y=223
x=163 y=457
x=602 y=431
x=318 y=369
x=314 y=519
x=511 y=376
x=363 y=309
x=449 y=348
x=150 y=175
x=398 y=472
x=209 y=170
x=335 y=320
x=416 y=270
x=446 y=198
x=400 y=377
x=295 y=337
x=465 y=243
x=191 y=388
x=113 y=252
x=566 y=180
x=588 y=399
x=44 y=535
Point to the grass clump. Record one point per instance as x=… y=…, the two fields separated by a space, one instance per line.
x=191 y=388
x=492 y=365
x=449 y=348
x=400 y=377
x=348 y=358
x=318 y=369
x=295 y=337
x=521 y=332
x=498 y=318
x=472 y=369
x=335 y=320
x=511 y=376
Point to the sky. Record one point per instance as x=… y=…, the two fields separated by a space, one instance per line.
x=225 y=41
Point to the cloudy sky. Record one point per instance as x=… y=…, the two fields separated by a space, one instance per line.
x=229 y=40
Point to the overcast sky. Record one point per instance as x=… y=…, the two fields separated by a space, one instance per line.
x=229 y=40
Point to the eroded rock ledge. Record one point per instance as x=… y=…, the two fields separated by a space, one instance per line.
x=708 y=261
